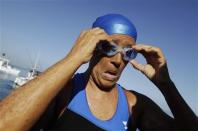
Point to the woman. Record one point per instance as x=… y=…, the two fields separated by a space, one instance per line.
x=59 y=100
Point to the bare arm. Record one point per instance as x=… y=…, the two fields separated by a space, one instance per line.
x=22 y=108
x=48 y=119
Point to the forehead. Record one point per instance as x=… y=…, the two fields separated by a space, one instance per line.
x=123 y=40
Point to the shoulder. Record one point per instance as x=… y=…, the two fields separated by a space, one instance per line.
x=134 y=98
x=139 y=103
x=136 y=106
x=146 y=114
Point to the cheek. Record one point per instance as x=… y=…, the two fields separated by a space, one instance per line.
x=102 y=63
x=122 y=68
x=100 y=66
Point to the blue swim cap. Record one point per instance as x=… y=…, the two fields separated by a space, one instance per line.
x=116 y=24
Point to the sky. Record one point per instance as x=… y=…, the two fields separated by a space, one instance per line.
x=47 y=29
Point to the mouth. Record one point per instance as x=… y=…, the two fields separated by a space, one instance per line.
x=110 y=75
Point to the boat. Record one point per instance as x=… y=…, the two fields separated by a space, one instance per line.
x=5 y=67
x=19 y=81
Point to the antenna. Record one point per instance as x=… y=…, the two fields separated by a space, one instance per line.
x=30 y=58
x=36 y=61
x=0 y=45
x=34 y=64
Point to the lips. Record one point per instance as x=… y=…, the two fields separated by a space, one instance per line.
x=110 y=75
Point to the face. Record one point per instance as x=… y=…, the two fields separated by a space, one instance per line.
x=107 y=70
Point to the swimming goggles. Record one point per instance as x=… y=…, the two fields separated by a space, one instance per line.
x=111 y=49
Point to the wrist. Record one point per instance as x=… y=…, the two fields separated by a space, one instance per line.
x=74 y=58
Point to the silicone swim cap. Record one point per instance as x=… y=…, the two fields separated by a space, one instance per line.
x=116 y=24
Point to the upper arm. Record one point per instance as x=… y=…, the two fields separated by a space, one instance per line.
x=148 y=116
x=54 y=109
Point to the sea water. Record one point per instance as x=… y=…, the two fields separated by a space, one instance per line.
x=7 y=82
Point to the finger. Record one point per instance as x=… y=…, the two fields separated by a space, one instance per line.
x=147 y=49
x=141 y=47
x=96 y=28
x=137 y=65
x=98 y=31
x=102 y=37
x=83 y=33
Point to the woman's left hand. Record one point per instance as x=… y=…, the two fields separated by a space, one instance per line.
x=156 y=67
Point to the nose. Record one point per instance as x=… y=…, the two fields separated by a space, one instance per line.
x=116 y=60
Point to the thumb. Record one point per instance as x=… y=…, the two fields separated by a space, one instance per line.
x=137 y=65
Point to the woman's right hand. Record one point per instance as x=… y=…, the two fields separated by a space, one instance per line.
x=86 y=44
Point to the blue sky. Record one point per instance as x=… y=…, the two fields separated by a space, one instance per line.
x=50 y=28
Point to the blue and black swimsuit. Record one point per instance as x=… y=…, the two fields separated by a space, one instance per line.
x=78 y=116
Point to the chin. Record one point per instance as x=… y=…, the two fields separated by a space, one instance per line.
x=107 y=84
